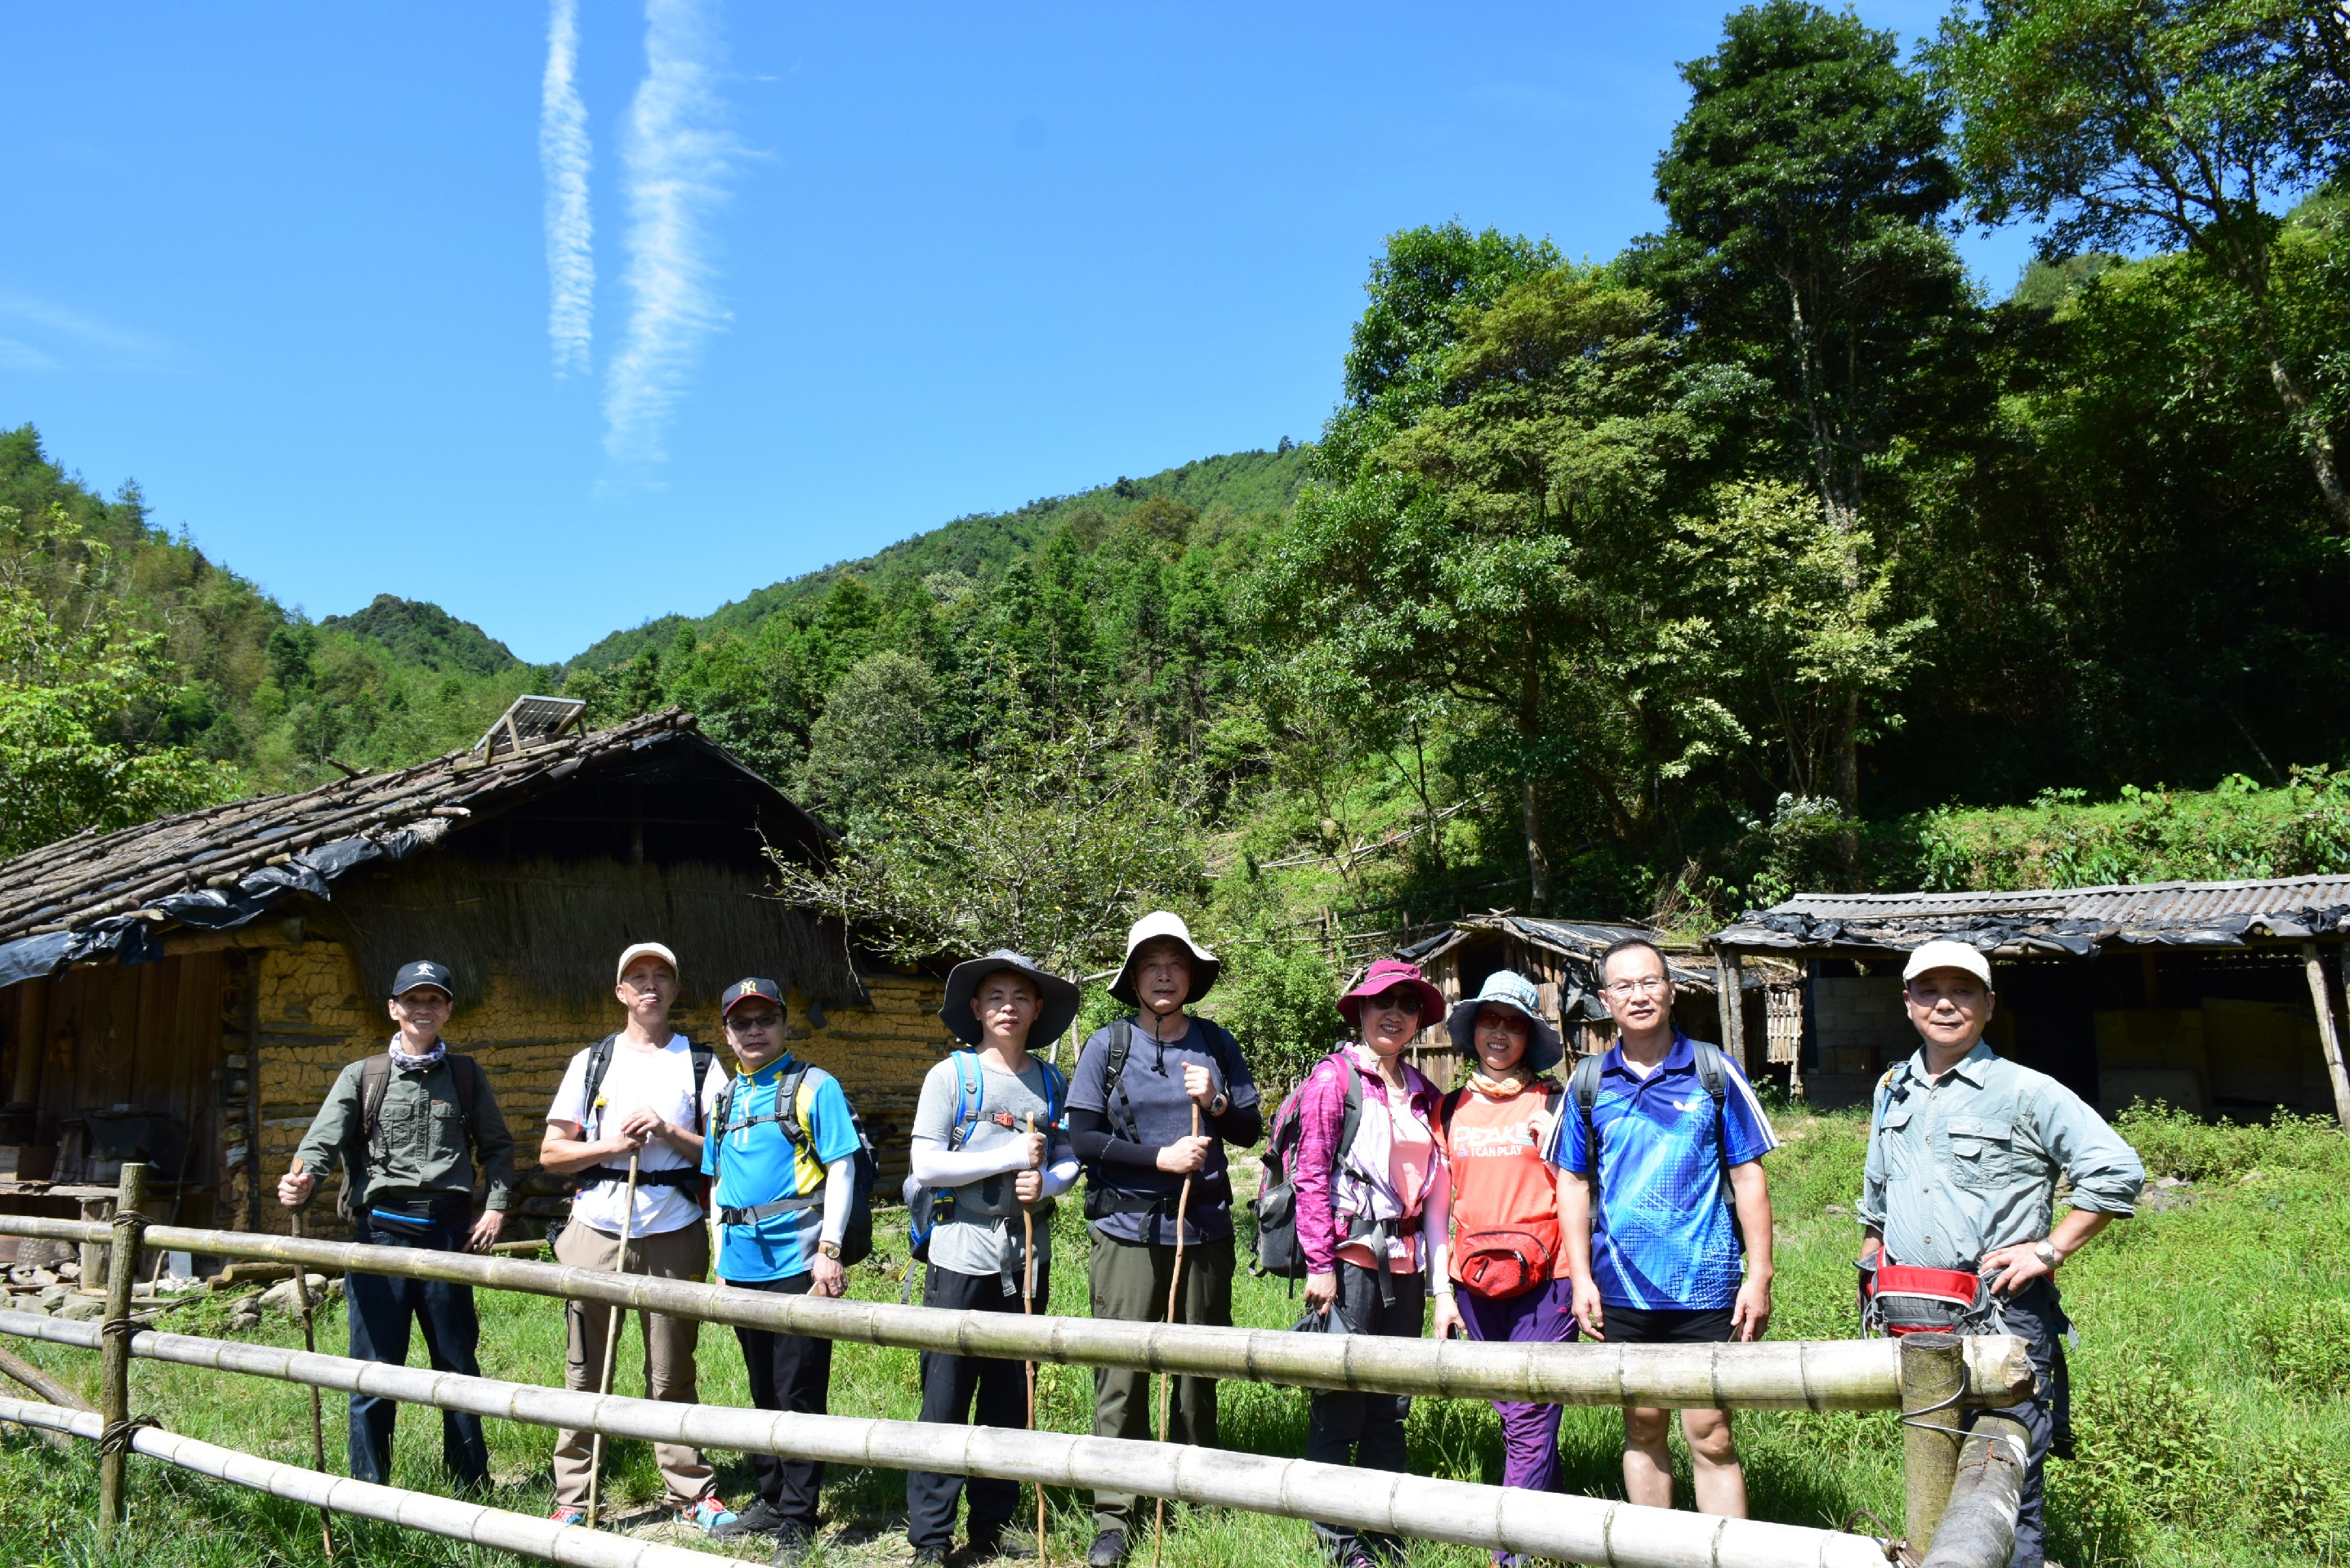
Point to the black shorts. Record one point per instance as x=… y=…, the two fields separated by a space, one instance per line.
x=1665 y=1325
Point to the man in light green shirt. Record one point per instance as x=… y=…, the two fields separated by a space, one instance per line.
x=1964 y=1150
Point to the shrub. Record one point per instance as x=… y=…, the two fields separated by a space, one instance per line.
x=2305 y=1344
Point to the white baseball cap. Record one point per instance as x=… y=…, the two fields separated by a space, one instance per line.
x=644 y=950
x=1948 y=955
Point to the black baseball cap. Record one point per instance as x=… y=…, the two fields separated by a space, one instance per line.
x=423 y=971
x=746 y=990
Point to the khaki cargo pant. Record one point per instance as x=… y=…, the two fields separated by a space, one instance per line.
x=681 y=1255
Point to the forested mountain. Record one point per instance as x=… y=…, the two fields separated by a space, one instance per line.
x=1771 y=552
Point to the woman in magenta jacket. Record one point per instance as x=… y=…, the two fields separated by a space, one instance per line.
x=1366 y=1218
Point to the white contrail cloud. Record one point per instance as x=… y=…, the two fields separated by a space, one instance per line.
x=563 y=157
x=675 y=152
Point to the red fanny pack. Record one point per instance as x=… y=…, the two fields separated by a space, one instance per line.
x=1499 y=1264
x=1909 y=1299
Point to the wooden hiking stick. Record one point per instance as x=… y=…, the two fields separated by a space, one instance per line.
x=1174 y=1294
x=1028 y=1308
x=310 y=1343
x=611 y=1343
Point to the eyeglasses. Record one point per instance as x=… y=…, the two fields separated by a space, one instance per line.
x=1646 y=986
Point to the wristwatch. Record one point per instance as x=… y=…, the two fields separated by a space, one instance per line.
x=830 y=1249
x=2046 y=1252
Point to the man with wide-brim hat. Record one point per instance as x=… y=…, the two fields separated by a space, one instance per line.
x=1964 y=1150
x=976 y=1166
x=1142 y=1085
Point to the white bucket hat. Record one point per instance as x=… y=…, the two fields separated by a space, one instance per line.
x=1507 y=988
x=1205 y=965
x=1945 y=954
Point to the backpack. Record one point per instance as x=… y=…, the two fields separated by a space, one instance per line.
x=1277 y=1248
x=375 y=1083
x=599 y=1062
x=1103 y=1197
x=1710 y=1072
x=864 y=1165
x=1499 y=1262
x=926 y=1210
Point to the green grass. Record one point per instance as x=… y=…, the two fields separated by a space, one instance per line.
x=2212 y=1389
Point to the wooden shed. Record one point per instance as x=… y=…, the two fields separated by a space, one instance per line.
x=1561 y=957
x=186 y=990
x=2221 y=998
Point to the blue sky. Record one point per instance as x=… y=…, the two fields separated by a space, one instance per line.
x=855 y=270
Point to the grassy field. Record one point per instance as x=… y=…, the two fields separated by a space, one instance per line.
x=2211 y=1389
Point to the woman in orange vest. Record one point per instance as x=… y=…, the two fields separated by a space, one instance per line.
x=1502 y=1275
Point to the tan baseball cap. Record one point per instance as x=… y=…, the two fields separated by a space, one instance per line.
x=644 y=950
x=1946 y=955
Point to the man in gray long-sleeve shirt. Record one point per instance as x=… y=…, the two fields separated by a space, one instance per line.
x=1964 y=1150
x=409 y=1125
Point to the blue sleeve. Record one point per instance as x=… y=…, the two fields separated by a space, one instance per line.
x=710 y=1154
x=1568 y=1152
x=834 y=1134
x=1744 y=1126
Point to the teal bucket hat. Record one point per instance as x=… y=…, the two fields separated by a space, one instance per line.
x=1507 y=988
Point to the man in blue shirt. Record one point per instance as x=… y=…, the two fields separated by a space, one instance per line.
x=781 y=1146
x=1676 y=1162
x=1964 y=1150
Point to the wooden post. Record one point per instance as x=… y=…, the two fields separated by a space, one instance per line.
x=1933 y=1378
x=1731 y=979
x=114 y=1365
x=32 y=1042
x=2329 y=1033
x=254 y=964
x=1978 y=1528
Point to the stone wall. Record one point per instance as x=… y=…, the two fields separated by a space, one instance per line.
x=315 y=1020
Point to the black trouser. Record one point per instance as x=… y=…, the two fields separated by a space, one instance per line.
x=949 y=1383
x=2036 y=1315
x=381 y=1308
x=1366 y=1430
x=789 y=1372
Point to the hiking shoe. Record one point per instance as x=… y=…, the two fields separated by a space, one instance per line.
x=1108 y=1551
x=566 y=1514
x=792 y=1543
x=762 y=1518
x=997 y=1545
x=707 y=1514
x=930 y=1557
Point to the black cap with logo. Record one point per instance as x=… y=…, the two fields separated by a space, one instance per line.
x=423 y=971
x=750 y=990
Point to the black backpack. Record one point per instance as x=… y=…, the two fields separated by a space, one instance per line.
x=1104 y=1197
x=599 y=1062
x=1584 y=1086
x=1277 y=1248
x=865 y=1167
x=375 y=1083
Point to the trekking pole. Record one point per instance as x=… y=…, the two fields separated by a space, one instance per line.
x=1028 y=1308
x=611 y=1344
x=310 y=1343
x=1174 y=1294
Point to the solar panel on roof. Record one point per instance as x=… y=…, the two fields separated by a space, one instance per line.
x=531 y=721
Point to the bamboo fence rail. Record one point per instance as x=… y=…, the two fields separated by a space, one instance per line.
x=441 y=1516
x=1501 y=1519
x=1815 y=1374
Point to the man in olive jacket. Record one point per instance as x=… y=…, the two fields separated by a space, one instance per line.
x=409 y=1126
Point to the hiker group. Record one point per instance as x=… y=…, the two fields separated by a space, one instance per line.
x=1625 y=1201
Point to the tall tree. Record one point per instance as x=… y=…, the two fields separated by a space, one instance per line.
x=1803 y=188
x=2170 y=122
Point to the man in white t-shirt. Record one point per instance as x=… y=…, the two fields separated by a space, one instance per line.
x=638 y=1091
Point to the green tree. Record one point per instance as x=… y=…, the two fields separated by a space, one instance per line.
x=77 y=682
x=1803 y=188
x=874 y=738
x=2171 y=122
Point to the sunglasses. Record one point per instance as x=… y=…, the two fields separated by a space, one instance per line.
x=1395 y=1002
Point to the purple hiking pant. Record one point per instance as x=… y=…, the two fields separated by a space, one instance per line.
x=1529 y=1432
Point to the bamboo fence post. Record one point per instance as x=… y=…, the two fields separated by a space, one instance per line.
x=1028 y=1309
x=310 y=1343
x=611 y=1343
x=114 y=1365
x=2329 y=1031
x=1174 y=1294
x=1933 y=1380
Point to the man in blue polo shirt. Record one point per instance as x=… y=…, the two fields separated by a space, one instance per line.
x=1670 y=1134
x=781 y=1146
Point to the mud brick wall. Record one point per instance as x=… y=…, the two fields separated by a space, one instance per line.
x=315 y=1020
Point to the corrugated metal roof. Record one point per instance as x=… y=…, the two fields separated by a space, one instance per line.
x=2057 y=919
